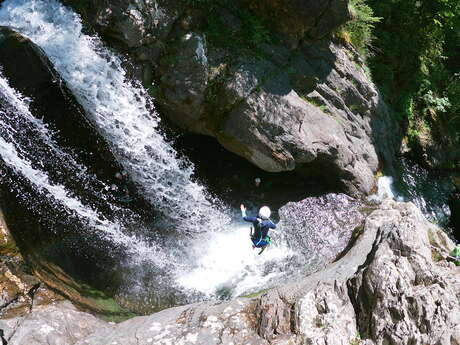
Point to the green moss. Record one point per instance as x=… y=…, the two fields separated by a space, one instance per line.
x=315 y=103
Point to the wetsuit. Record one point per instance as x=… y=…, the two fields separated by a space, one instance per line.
x=260 y=236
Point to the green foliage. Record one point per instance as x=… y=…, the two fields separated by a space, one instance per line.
x=417 y=63
x=246 y=32
x=359 y=29
x=453 y=94
x=315 y=102
x=436 y=103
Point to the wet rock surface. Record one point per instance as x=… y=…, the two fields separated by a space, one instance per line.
x=390 y=288
x=20 y=290
x=264 y=100
x=322 y=225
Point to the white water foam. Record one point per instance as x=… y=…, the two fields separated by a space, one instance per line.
x=120 y=111
x=221 y=256
x=227 y=262
x=14 y=157
x=384 y=190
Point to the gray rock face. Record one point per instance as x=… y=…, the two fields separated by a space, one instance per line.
x=184 y=80
x=374 y=295
x=318 y=114
x=132 y=23
x=56 y=324
x=389 y=288
x=322 y=225
x=310 y=108
x=402 y=296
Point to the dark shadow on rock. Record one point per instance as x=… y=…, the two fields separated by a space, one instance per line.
x=454 y=222
x=232 y=179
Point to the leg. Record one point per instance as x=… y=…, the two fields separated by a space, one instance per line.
x=262 y=250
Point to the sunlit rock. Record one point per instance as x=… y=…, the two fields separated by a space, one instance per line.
x=391 y=287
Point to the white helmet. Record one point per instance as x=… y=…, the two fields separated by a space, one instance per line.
x=264 y=212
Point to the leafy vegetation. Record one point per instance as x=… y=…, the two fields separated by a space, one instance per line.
x=359 y=30
x=232 y=27
x=416 y=64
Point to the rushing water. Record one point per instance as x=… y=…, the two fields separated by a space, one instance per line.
x=121 y=111
x=429 y=191
x=205 y=255
x=28 y=147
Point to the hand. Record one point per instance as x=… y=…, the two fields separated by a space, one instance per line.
x=243 y=209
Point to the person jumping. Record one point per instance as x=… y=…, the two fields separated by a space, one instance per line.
x=261 y=225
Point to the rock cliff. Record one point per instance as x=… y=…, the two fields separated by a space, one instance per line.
x=263 y=78
x=390 y=288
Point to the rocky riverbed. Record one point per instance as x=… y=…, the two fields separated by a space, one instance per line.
x=390 y=288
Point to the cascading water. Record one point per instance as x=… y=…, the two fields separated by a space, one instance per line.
x=205 y=255
x=429 y=191
x=28 y=148
x=122 y=112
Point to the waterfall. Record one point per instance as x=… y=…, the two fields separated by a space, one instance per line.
x=26 y=144
x=209 y=257
x=385 y=190
x=120 y=110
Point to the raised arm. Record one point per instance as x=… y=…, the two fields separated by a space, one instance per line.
x=270 y=224
x=245 y=217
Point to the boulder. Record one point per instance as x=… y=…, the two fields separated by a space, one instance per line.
x=303 y=103
x=390 y=288
x=59 y=323
x=318 y=114
x=313 y=110
x=324 y=226
x=407 y=294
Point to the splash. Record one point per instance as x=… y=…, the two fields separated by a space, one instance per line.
x=227 y=266
x=385 y=190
